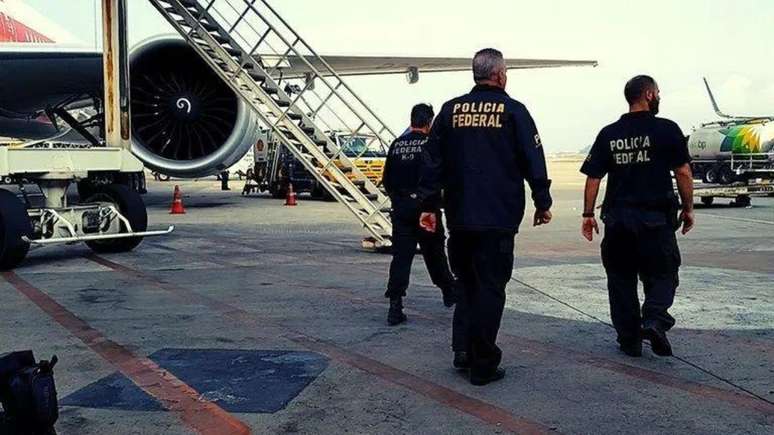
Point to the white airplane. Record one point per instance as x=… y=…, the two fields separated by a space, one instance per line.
x=41 y=69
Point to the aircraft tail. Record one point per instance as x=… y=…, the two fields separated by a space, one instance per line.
x=21 y=24
x=714 y=103
x=723 y=115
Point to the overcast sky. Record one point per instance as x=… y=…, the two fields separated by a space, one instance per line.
x=731 y=42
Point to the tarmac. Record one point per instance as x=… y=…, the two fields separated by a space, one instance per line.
x=253 y=317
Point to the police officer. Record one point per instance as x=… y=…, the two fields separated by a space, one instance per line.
x=482 y=147
x=637 y=153
x=224 y=180
x=400 y=179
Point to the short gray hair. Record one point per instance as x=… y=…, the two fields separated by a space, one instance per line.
x=486 y=63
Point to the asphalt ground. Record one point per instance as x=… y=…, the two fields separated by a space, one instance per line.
x=254 y=317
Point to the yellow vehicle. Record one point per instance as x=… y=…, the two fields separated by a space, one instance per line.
x=366 y=152
x=281 y=168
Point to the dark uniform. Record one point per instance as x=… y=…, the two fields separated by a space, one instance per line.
x=639 y=211
x=482 y=147
x=224 y=180
x=400 y=179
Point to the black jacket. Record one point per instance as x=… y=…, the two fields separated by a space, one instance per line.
x=403 y=165
x=482 y=147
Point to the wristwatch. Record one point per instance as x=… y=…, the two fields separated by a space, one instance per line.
x=588 y=215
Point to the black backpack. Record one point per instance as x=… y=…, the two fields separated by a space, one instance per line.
x=28 y=394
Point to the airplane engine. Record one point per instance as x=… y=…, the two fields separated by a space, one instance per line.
x=185 y=121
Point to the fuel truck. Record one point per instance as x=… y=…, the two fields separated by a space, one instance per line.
x=734 y=149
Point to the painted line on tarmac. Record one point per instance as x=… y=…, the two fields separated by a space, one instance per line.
x=174 y=395
x=732 y=218
x=484 y=411
x=695 y=388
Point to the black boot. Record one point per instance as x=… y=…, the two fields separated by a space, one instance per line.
x=461 y=361
x=395 y=315
x=632 y=348
x=449 y=297
x=658 y=341
x=452 y=294
x=494 y=376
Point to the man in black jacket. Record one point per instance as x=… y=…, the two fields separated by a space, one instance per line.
x=482 y=147
x=400 y=179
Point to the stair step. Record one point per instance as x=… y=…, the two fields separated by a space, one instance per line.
x=235 y=52
x=270 y=90
x=220 y=38
x=209 y=26
x=171 y=10
x=257 y=76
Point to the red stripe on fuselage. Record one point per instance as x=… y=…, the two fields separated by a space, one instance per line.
x=14 y=31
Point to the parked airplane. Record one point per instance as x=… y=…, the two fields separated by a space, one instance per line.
x=204 y=127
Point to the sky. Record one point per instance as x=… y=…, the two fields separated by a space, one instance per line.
x=731 y=43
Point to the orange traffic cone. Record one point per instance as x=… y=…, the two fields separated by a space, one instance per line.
x=177 y=202
x=291 y=198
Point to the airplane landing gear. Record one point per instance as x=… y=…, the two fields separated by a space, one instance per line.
x=129 y=204
x=107 y=217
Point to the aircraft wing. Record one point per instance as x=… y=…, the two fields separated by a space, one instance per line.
x=31 y=80
x=380 y=65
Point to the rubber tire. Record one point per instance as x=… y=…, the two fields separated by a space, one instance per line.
x=707 y=200
x=711 y=176
x=742 y=201
x=328 y=197
x=86 y=189
x=726 y=176
x=131 y=205
x=14 y=223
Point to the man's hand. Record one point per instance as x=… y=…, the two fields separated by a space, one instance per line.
x=589 y=227
x=542 y=217
x=688 y=219
x=428 y=222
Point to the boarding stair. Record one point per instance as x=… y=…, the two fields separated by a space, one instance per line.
x=250 y=46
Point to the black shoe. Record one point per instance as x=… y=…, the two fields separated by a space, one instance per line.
x=461 y=361
x=495 y=376
x=658 y=341
x=449 y=298
x=395 y=315
x=632 y=348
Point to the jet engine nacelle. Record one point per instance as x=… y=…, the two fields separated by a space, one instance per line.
x=412 y=75
x=185 y=121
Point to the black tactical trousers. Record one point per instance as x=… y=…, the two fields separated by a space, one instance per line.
x=406 y=233
x=224 y=175
x=640 y=244
x=483 y=261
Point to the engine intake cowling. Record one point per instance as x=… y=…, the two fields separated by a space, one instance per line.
x=186 y=122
